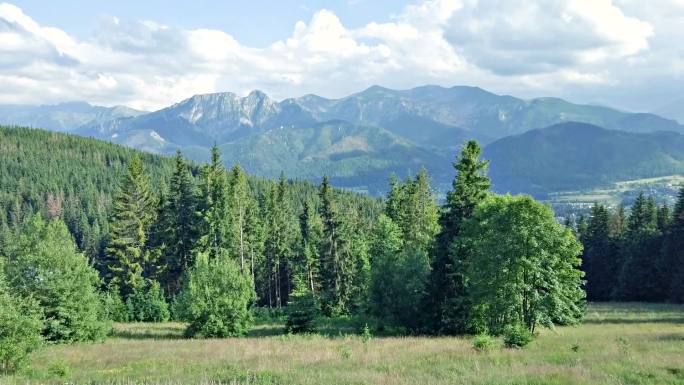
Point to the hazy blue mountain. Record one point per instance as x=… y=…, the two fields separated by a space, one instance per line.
x=64 y=116
x=673 y=110
x=357 y=140
x=471 y=111
x=573 y=156
x=203 y=120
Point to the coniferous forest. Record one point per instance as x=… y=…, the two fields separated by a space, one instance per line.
x=93 y=233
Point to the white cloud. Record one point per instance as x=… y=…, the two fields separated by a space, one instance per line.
x=588 y=49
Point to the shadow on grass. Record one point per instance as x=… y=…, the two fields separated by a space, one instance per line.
x=631 y=321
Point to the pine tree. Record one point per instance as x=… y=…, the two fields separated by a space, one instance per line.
x=214 y=224
x=311 y=230
x=337 y=263
x=672 y=258
x=279 y=243
x=421 y=214
x=134 y=212
x=599 y=259
x=447 y=302
x=178 y=225
x=638 y=280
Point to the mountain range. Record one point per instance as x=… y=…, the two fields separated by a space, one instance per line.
x=357 y=140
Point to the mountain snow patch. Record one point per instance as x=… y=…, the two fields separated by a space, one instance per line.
x=156 y=136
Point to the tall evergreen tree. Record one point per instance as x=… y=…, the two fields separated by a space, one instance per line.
x=213 y=207
x=638 y=280
x=447 y=295
x=133 y=214
x=311 y=229
x=599 y=259
x=672 y=258
x=420 y=220
x=240 y=200
x=178 y=225
x=338 y=263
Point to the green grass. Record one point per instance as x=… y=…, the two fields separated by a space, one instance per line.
x=618 y=344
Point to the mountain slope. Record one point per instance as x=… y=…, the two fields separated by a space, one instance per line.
x=573 y=156
x=63 y=117
x=482 y=114
x=354 y=156
x=205 y=119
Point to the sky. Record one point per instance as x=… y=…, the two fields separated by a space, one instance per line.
x=149 y=54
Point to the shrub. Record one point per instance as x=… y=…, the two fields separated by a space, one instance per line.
x=147 y=303
x=217 y=296
x=113 y=306
x=517 y=336
x=43 y=263
x=301 y=311
x=483 y=342
x=20 y=327
x=59 y=369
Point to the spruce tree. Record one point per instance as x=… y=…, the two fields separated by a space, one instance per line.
x=311 y=230
x=599 y=258
x=178 y=224
x=638 y=279
x=214 y=225
x=447 y=304
x=672 y=258
x=337 y=263
x=133 y=213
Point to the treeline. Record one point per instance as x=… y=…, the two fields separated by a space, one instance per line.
x=635 y=257
x=208 y=245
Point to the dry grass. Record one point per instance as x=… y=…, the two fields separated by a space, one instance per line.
x=619 y=344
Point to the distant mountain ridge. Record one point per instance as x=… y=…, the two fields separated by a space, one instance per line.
x=356 y=140
x=575 y=156
x=63 y=117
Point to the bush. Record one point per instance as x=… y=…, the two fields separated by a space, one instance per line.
x=483 y=342
x=301 y=311
x=517 y=336
x=43 y=263
x=147 y=304
x=217 y=296
x=113 y=306
x=20 y=327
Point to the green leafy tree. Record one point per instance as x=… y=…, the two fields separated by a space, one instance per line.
x=525 y=265
x=21 y=324
x=447 y=304
x=399 y=275
x=217 y=297
x=147 y=304
x=44 y=264
x=133 y=214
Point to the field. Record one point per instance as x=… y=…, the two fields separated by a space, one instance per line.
x=665 y=188
x=617 y=344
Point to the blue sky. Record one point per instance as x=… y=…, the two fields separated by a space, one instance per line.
x=255 y=22
x=148 y=54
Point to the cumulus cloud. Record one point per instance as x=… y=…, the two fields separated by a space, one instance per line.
x=558 y=47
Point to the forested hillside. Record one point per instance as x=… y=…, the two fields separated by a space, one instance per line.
x=76 y=178
x=93 y=232
x=574 y=156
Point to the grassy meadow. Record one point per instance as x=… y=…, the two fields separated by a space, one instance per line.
x=617 y=344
